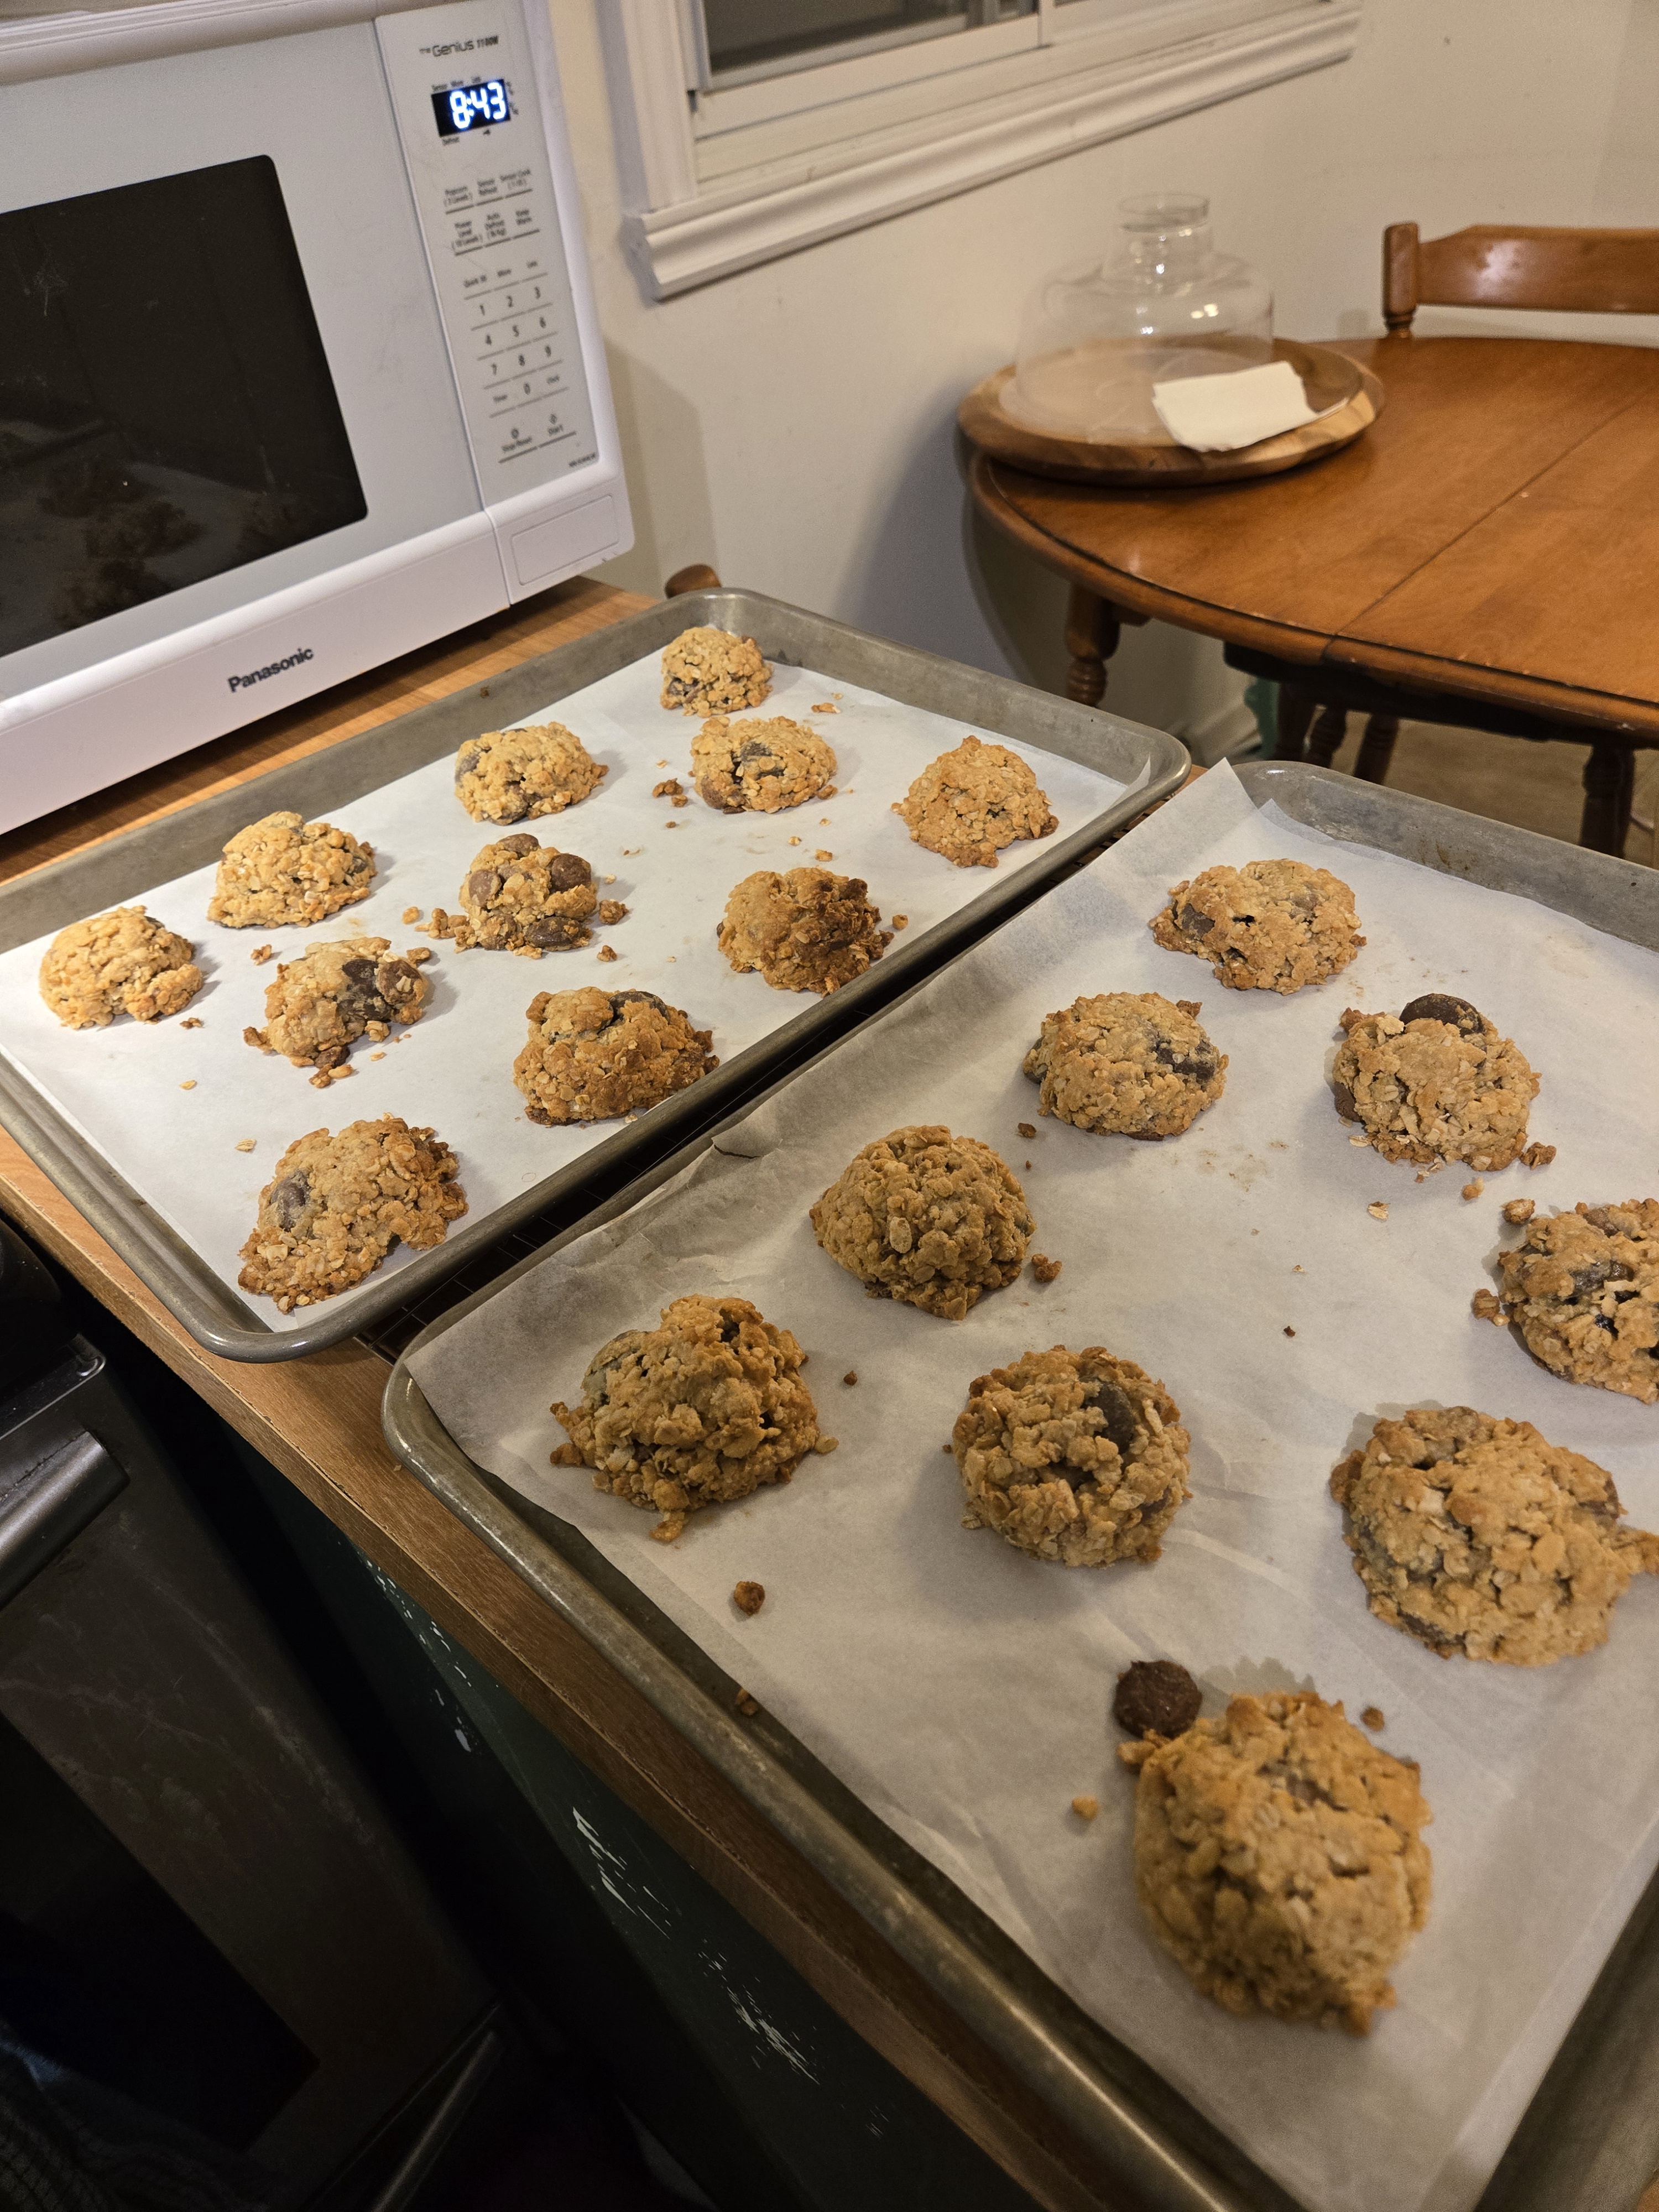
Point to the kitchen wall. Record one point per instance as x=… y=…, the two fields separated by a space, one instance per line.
x=795 y=425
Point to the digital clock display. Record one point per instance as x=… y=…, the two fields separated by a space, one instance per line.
x=466 y=107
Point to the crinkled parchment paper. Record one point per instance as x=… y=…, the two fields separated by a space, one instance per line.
x=121 y=1086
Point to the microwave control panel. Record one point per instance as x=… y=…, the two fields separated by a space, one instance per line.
x=466 y=108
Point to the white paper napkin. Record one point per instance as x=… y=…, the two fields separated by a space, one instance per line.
x=1219 y=413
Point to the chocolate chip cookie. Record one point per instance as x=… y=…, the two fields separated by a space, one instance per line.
x=970 y=803
x=1078 y=1456
x=805 y=930
x=1269 y=926
x=1127 y=1064
x=1279 y=1859
x=338 y=1205
x=760 y=766
x=1482 y=1540
x=927 y=1218
x=595 y=1055
x=1582 y=1293
x=320 y=1005
x=1436 y=1082
x=707 y=672
x=516 y=775
x=705 y=1407
x=284 y=870
x=520 y=896
x=121 y=963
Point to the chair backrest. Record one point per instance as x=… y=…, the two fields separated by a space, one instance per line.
x=1496 y=265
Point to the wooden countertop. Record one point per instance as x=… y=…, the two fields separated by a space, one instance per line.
x=319 y=1421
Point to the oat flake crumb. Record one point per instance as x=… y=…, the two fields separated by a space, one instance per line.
x=1378 y=1209
x=1518 y=1210
x=900 y=921
x=189 y=1083
x=193 y=1022
x=246 y=1144
x=1085 y=1808
x=851 y=1376
x=261 y=953
x=1027 y=1128
x=1473 y=1190
x=411 y=914
x=1372 y=1716
x=748 y=1598
x=1045 y=1269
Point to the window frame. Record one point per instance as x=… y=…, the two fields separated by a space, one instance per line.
x=718 y=180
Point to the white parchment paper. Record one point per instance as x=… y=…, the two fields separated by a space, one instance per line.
x=121 y=1086
x=965 y=1689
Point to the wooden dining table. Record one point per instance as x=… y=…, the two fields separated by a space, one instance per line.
x=1487 y=556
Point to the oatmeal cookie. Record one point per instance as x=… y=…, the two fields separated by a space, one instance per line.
x=927 y=1218
x=120 y=962
x=1269 y=926
x=336 y=1205
x=1279 y=1858
x=1582 y=1293
x=805 y=930
x=707 y=672
x=595 y=1055
x=760 y=766
x=705 y=1407
x=284 y=869
x=969 y=804
x=320 y=1004
x=1078 y=1456
x=515 y=775
x=521 y=896
x=1437 y=1082
x=1480 y=1537
x=1128 y=1063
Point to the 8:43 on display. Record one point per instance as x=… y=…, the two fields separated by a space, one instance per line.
x=467 y=106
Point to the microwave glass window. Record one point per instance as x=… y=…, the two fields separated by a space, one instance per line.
x=167 y=411
x=466 y=107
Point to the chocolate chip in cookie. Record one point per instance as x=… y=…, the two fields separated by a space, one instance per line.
x=1438 y=1086
x=1269 y=926
x=1581 y=1293
x=804 y=931
x=1128 y=1064
x=594 y=1055
x=708 y=671
x=521 y=774
x=761 y=766
x=520 y=896
x=321 y=1003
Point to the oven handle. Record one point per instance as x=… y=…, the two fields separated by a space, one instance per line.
x=49 y=1508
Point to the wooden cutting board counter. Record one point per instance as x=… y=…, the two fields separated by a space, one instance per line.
x=319 y=1421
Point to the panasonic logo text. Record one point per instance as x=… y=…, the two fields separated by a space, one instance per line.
x=272 y=668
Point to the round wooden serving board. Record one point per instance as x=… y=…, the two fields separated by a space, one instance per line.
x=1330 y=379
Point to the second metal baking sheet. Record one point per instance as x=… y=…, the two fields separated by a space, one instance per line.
x=962 y=1690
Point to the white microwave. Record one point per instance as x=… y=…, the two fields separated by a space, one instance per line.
x=299 y=365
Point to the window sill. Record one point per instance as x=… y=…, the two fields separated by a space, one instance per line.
x=778 y=207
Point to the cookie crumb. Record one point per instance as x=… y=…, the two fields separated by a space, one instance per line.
x=246 y=1144
x=411 y=914
x=675 y=825
x=1372 y=1716
x=1289 y=1331
x=377 y=1056
x=1193 y=1006
x=1298 y=1268
x=189 y=1083
x=745 y=1705
x=261 y=953
x=668 y=788
x=826 y=1444
x=1485 y=1307
x=1517 y=1210
x=607 y=952
x=825 y=707
x=1473 y=1190
x=682 y=800
x=1028 y=1164
x=1045 y=1269
x=607 y=880
x=820 y=854
x=1378 y=1209
x=851 y=1376
x=191 y=1021
x=1361 y=1140
x=824 y=821
x=1027 y=1128
x=900 y=921
x=1086 y=1808
x=1539 y=1156
x=748 y=1598
x=417 y=953
x=794 y=841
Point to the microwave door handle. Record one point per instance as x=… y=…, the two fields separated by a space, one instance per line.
x=48 y=1509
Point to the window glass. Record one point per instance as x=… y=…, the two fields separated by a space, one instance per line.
x=747 y=34
x=167 y=411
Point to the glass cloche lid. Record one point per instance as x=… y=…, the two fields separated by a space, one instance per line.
x=1161 y=304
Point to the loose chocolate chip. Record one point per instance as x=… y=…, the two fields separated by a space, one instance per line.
x=288 y=1199
x=1156 y=1696
x=1192 y=923
x=519 y=844
x=482 y=886
x=1344 y=1103
x=1104 y=1396
x=1436 y=1006
x=567 y=870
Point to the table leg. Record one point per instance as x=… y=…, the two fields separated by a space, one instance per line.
x=1327 y=735
x=1091 y=636
x=1296 y=711
x=1377 y=748
x=1609 y=786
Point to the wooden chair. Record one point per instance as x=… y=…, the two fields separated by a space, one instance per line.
x=1488 y=265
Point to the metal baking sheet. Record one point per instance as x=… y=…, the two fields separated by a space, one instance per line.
x=197 y=1284
x=1569 y=2148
